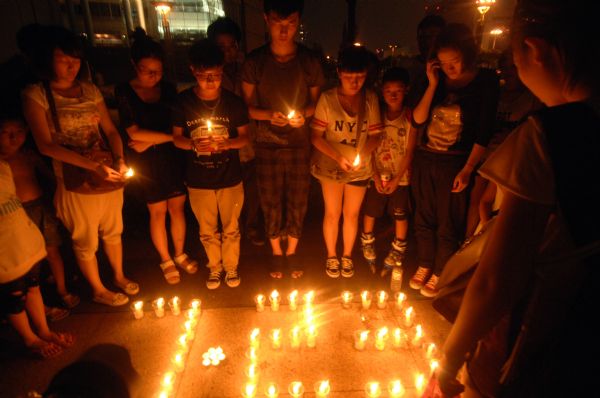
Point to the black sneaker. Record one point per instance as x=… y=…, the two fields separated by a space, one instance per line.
x=332 y=267
x=347 y=267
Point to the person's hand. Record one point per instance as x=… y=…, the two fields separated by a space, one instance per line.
x=378 y=184
x=202 y=145
x=122 y=167
x=433 y=72
x=297 y=120
x=139 y=146
x=279 y=119
x=223 y=145
x=449 y=385
x=461 y=180
x=108 y=173
x=392 y=185
x=344 y=163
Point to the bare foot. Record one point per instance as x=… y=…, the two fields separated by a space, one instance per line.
x=64 y=340
x=44 y=349
x=276 y=275
x=297 y=274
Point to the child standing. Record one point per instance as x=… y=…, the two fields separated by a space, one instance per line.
x=24 y=164
x=211 y=124
x=21 y=248
x=391 y=163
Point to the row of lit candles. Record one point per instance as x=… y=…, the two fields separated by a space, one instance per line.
x=346 y=299
x=158 y=305
x=189 y=325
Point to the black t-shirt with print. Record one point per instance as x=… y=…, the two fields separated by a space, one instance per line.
x=214 y=170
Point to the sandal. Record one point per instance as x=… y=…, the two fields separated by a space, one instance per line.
x=131 y=288
x=116 y=300
x=276 y=268
x=294 y=265
x=54 y=314
x=187 y=264
x=44 y=350
x=170 y=272
x=70 y=300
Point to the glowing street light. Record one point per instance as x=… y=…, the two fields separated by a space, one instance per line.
x=164 y=8
x=483 y=6
x=495 y=34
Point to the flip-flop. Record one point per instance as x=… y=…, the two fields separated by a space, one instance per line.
x=44 y=350
x=117 y=300
x=170 y=272
x=187 y=264
x=130 y=287
x=54 y=314
x=70 y=300
x=296 y=270
x=277 y=266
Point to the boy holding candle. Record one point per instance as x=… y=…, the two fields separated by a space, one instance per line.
x=277 y=79
x=389 y=191
x=211 y=124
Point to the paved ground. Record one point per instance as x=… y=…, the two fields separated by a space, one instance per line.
x=227 y=318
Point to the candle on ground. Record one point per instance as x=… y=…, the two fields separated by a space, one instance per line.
x=175 y=305
x=346 y=299
x=159 y=307
x=138 y=309
x=293 y=300
x=275 y=299
x=260 y=302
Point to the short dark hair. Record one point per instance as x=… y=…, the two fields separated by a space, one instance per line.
x=458 y=37
x=396 y=74
x=284 y=8
x=431 y=21
x=145 y=47
x=11 y=115
x=224 y=26
x=56 y=37
x=354 y=59
x=206 y=54
x=570 y=27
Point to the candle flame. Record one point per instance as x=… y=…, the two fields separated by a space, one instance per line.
x=296 y=387
x=382 y=296
x=209 y=125
x=160 y=302
x=396 y=388
x=255 y=333
x=312 y=330
x=373 y=387
x=409 y=312
x=272 y=390
x=346 y=296
x=168 y=379
x=293 y=296
x=250 y=389
x=195 y=304
x=129 y=173
x=175 y=300
x=260 y=298
x=356 y=160
x=252 y=371
x=381 y=333
x=138 y=305
x=274 y=295
x=296 y=331
x=276 y=334
x=420 y=381
x=418 y=331
x=324 y=387
x=431 y=348
x=178 y=358
x=364 y=335
x=365 y=295
x=433 y=365
x=291 y=114
x=309 y=297
x=182 y=340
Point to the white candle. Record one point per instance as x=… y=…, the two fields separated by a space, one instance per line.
x=196 y=305
x=189 y=330
x=275 y=299
x=322 y=388
x=252 y=354
x=291 y=114
x=309 y=298
x=159 y=307
x=175 y=305
x=311 y=336
x=408 y=317
x=366 y=299
x=396 y=389
x=381 y=299
x=295 y=337
x=400 y=299
x=276 y=339
x=431 y=350
x=272 y=391
x=191 y=315
x=399 y=338
x=255 y=338
x=346 y=299
x=433 y=365
x=373 y=389
x=178 y=362
x=249 y=390
x=293 y=300
x=356 y=162
x=168 y=381
x=183 y=343
x=360 y=339
x=260 y=302
x=296 y=389
x=138 y=309
x=380 y=338
x=417 y=341
x=420 y=383
x=252 y=372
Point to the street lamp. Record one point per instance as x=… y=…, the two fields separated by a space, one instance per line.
x=495 y=34
x=483 y=6
x=164 y=9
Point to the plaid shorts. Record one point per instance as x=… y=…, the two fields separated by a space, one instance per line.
x=283 y=177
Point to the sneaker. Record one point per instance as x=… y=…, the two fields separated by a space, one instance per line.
x=396 y=255
x=419 y=278
x=214 y=280
x=368 y=246
x=232 y=279
x=347 y=267
x=332 y=267
x=430 y=288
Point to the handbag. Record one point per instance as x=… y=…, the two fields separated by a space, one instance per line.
x=458 y=272
x=78 y=179
x=326 y=168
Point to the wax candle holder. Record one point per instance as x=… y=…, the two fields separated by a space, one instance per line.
x=380 y=338
x=309 y=298
x=420 y=383
x=417 y=340
x=399 y=300
x=408 y=317
x=159 y=307
x=275 y=299
x=293 y=300
x=311 y=336
x=255 y=338
x=275 y=337
x=175 y=305
x=196 y=305
x=360 y=339
x=168 y=381
x=295 y=336
x=322 y=388
x=399 y=338
x=296 y=389
x=260 y=300
x=249 y=390
x=382 y=297
x=252 y=354
x=396 y=389
x=252 y=372
x=431 y=351
x=178 y=362
x=347 y=299
x=366 y=299
x=137 y=308
x=272 y=391
x=189 y=328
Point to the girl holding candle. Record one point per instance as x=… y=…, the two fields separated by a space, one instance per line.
x=540 y=266
x=145 y=115
x=345 y=130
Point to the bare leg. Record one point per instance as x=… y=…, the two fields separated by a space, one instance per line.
x=292 y=244
x=368 y=224
x=31 y=340
x=158 y=230
x=175 y=206
x=333 y=194
x=353 y=197
x=35 y=309
x=401 y=229
x=89 y=269
x=57 y=267
x=276 y=246
x=114 y=252
x=474 y=200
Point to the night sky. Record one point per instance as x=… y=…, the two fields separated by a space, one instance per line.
x=380 y=22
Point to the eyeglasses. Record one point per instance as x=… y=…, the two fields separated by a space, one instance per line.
x=149 y=72
x=208 y=76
